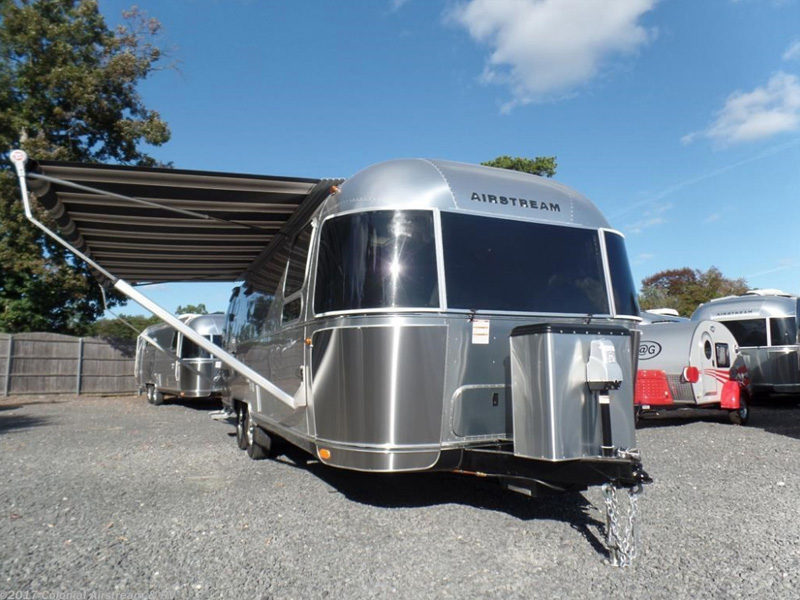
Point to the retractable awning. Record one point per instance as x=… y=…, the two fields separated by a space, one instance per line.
x=150 y=225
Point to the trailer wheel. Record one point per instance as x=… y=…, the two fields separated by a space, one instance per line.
x=742 y=414
x=259 y=442
x=149 y=391
x=158 y=397
x=242 y=423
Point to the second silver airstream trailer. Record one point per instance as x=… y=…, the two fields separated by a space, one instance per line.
x=169 y=364
x=690 y=364
x=764 y=323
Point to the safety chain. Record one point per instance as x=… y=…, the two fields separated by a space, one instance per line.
x=622 y=541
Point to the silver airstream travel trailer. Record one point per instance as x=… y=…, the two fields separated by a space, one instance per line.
x=690 y=364
x=764 y=323
x=169 y=364
x=423 y=315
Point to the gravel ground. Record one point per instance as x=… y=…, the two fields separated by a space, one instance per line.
x=121 y=499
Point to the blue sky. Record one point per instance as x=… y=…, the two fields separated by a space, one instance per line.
x=680 y=119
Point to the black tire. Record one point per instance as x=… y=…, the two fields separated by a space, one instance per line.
x=742 y=415
x=242 y=423
x=260 y=444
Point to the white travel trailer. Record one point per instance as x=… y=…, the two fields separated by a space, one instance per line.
x=764 y=323
x=423 y=315
x=169 y=364
x=690 y=364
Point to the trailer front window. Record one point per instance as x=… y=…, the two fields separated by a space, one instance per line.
x=499 y=264
x=192 y=350
x=380 y=259
x=749 y=332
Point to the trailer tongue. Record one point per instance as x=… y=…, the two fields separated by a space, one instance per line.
x=394 y=322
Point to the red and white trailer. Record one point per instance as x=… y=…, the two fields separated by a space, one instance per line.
x=691 y=364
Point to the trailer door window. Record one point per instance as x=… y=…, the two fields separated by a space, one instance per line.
x=500 y=264
x=379 y=259
x=626 y=300
x=749 y=332
x=783 y=331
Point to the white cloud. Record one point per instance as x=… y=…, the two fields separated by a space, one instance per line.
x=650 y=218
x=395 y=5
x=544 y=49
x=762 y=113
x=643 y=258
x=792 y=52
x=713 y=217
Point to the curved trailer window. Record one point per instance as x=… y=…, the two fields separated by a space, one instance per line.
x=626 y=300
x=500 y=264
x=380 y=259
x=783 y=331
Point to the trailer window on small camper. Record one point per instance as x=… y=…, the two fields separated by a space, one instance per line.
x=377 y=259
x=723 y=356
x=502 y=264
x=748 y=332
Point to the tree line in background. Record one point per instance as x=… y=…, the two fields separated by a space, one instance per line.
x=68 y=92
x=685 y=289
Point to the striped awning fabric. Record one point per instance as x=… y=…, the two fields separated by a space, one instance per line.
x=182 y=226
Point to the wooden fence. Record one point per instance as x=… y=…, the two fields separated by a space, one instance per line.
x=50 y=363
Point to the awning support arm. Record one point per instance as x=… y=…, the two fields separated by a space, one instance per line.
x=19 y=158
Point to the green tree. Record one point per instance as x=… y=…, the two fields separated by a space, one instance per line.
x=192 y=309
x=685 y=289
x=541 y=165
x=117 y=329
x=67 y=92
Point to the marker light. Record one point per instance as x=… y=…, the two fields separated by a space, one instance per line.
x=691 y=374
x=324 y=453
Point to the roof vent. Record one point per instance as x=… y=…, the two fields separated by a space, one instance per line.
x=766 y=292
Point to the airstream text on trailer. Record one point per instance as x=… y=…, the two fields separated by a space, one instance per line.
x=764 y=323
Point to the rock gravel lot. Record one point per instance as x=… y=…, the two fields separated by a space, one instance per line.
x=115 y=497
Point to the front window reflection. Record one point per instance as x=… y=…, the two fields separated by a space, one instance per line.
x=381 y=259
